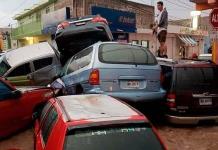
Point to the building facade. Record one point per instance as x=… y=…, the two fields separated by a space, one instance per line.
x=204 y=24
x=5 y=40
x=129 y=21
x=28 y=29
x=33 y=25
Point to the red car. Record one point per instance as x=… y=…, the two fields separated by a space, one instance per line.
x=17 y=106
x=93 y=122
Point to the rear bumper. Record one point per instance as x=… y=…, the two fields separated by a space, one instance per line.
x=189 y=120
x=134 y=96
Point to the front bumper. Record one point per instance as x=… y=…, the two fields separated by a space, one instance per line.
x=133 y=96
x=190 y=120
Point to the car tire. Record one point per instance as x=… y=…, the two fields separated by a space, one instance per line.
x=79 y=90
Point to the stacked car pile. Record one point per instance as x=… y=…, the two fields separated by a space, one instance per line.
x=88 y=66
x=92 y=64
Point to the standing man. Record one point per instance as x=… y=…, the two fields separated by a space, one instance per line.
x=161 y=28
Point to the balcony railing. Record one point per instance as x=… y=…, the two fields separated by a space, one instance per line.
x=27 y=30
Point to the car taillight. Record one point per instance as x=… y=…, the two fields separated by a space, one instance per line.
x=159 y=138
x=63 y=25
x=99 y=19
x=171 y=101
x=94 y=78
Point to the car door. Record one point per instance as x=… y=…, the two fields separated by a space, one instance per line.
x=19 y=76
x=44 y=70
x=10 y=110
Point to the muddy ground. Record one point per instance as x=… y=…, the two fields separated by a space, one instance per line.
x=201 y=137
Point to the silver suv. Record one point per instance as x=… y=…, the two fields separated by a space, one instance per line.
x=33 y=65
x=124 y=71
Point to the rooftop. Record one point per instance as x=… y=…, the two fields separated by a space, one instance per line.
x=96 y=108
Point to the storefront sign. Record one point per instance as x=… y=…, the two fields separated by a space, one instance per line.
x=118 y=20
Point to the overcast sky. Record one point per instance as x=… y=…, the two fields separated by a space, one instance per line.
x=177 y=9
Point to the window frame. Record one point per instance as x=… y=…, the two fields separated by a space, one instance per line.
x=127 y=63
x=72 y=131
x=135 y=42
x=13 y=68
x=179 y=87
x=81 y=55
x=50 y=126
x=8 y=88
x=37 y=69
x=76 y=57
x=145 y=41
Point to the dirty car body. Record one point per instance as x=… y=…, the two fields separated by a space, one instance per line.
x=76 y=34
x=18 y=105
x=32 y=65
x=85 y=122
x=124 y=71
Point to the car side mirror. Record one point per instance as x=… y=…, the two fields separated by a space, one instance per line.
x=16 y=94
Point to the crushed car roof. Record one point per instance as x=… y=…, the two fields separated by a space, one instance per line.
x=96 y=108
x=20 y=55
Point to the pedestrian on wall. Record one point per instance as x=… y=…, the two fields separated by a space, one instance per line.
x=160 y=28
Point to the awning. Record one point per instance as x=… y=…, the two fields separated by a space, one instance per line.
x=187 y=40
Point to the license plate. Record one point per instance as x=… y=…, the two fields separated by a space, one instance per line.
x=205 y=101
x=133 y=84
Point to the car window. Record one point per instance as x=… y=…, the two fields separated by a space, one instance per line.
x=197 y=78
x=5 y=91
x=73 y=66
x=125 y=54
x=83 y=59
x=3 y=67
x=44 y=111
x=123 y=138
x=41 y=63
x=21 y=70
x=48 y=124
x=80 y=60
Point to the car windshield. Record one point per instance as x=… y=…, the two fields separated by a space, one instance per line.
x=131 y=138
x=4 y=67
x=197 y=78
x=125 y=54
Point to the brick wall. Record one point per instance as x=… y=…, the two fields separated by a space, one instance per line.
x=144 y=13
